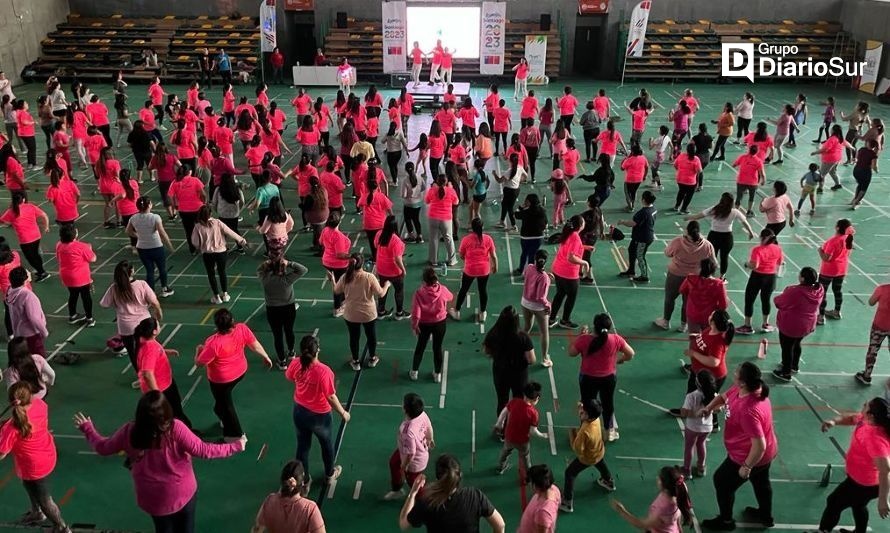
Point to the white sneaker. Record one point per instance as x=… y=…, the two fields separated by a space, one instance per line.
x=482 y=316
x=167 y=291
x=338 y=312
x=136 y=385
x=412 y=375
x=336 y=475
x=662 y=323
x=394 y=495
x=437 y=377
x=216 y=300
x=681 y=328
x=613 y=435
x=226 y=297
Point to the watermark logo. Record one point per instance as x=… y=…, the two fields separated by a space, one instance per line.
x=739 y=60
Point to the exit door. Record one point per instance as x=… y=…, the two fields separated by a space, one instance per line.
x=588 y=50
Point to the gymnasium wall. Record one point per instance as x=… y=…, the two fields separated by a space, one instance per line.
x=23 y=24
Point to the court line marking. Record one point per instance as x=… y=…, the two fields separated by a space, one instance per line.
x=444 y=388
x=550 y=436
x=473 y=440
x=65 y=343
x=188 y=395
x=793 y=527
x=358 y=490
x=659 y=459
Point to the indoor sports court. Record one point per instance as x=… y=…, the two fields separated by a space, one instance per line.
x=585 y=46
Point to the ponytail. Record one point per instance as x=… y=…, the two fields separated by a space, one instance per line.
x=602 y=324
x=476 y=227
x=540 y=259
x=694 y=231
x=767 y=237
x=707 y=385
x=440 y=182
x=19 y=399
x=723 y=323
x=570 y=227
x=355 y=264
x=292 y=478
x=447 y=481
x=673 y=482
x=308 y=352
x=752 y=379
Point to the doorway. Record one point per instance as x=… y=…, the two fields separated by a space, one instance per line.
x=589 y=45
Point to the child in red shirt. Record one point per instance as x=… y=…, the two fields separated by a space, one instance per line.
x=521 y=422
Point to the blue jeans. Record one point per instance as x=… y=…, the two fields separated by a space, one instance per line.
x=529 y=248
x=182 y=521
x=151 y=258
x=308 y=423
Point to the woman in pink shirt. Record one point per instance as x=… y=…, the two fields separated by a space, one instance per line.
x=867 y=465
x=187 y=194
x=415 y=439
x=535 y=305
x=480 y=261
x=428 y=319
x=74 y=258
x=155 y=372
x=376 y=206
x=468 y=115
x=309 y=138
x=543 y=508
x=98 y=115
x=635 y=167
x=688 y=168
x=133 y=301
x=437 y=143
x=567 y=105
x=490 y=103
x=751 y=446
x=765 y=261
x=567 y=269
x=440 y=199
x=165 y=166
x=775 y=208
x=390 y=267
x=798 y=308
x=406 y=108
x=14 y=173
x=107 y=173
x=609 y=140
x=275 y=229
x=27 y=437
x=835 y=256
x=763 y=141
x=27 y=220
x=159 y=450
x=880 y=329
x=750 y=175
x=26 y=130
x=335 y=258
x=831 y=152
x=287 y=509
x=64 y=195
x=671 y=509
x=223 y=355
x=502 y=125
x=520 y=80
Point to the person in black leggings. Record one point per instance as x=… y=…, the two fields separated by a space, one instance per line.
x=278 y=278
x=764 y=262
x=511 y=351
x=798 y=307
x=510 y=181
x=20 y=211
x=722 y=216
x=428 y=319
x=834 y=254
x=476 y=250
x=569 y=257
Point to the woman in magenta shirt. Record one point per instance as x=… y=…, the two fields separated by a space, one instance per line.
x=440 y=198
x=831 y=152
x=764 y=262
x=437 y=141
x=599 y=360
x=25 y=131
x=74 y=259
x=315 y=396
x=543 y=507
x=635 y=167
x=64 y=195
x=187 y=194
x=751 y=446
x=375 y=208
x=159 y=452
x=763 y=141
x=835 y=255
x=24 y=218
x=391 y=267
x=867 y=466
x=750 y=175
x=223 y=355
x=609 y=140
x=480 y=261
x=27 y=437
x=688 y=167
x=567 y=105
x=335 y=258
x=155 y=372
x=567 y=269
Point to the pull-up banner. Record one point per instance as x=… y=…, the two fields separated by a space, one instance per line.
x=395 y=30
x=491 y=41
x=269 y=39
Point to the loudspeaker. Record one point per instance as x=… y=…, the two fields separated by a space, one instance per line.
x=341 y=19
x=545 y=21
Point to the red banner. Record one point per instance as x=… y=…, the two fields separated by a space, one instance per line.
x=299 y=5
x=593 y=7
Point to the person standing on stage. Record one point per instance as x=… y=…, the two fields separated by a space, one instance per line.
x=447 y=64
x=417 y=56
x=437 y=62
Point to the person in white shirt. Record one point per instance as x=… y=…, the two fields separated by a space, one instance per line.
x=5 y=86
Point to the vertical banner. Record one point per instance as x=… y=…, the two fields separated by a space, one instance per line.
x=636 y=34
x=536 y=55
x=491 y=41
x=268 y=38
x=395 y=31
x=873 y=51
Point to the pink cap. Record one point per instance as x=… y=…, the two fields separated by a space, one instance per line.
x=557 y=174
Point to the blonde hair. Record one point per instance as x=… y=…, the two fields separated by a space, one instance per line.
x=19 y=400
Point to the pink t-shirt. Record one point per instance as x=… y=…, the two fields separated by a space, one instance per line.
x=285 y=514
x=882 y=314
x=98 y=113
x=312 y=387
x=468 y=116
x=308 y=137
x=413 y=442
x=665 y=509
x=609 y=142
x=540 y=512
x=868 y=443
x=748 y=418
x=567 y=104
x=477 y=254
x=768 y=258
x=776 y=208
x=272 y=141
x=416 y=56
x=491 y=101
x=601 y=105
x=762 y=146
x=334 y=242
x=152 y=358
x=437 y=146
x=634 y=168
x=130 y=314
x=529 y=107
x=447 y=120
x=64 y=199
x=561 y=265
x=836 y=248
x=334 y=186
x=223 y=353
x=601 y=363
x=501 y=119
x=156 y=94
x=25 y=123
x=302 y=104
x=386 y=256
x=570 y=161
x=406 y=106
x=374 y=214
x=833 y=150
x=749 y=167
x=24 y=225
x=440 y=208
x=522 y=71
x=639 y=119
x=187 y=192
x=74 y=263
x=374 y=127
x=687 y=169
x=35 y=455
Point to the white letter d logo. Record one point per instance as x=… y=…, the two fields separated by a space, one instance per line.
x=737 y=60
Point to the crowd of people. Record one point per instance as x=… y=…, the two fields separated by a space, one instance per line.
x=459 y=158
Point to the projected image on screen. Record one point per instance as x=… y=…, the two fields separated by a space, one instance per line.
x=457 y=27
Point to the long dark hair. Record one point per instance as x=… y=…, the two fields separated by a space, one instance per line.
x=19 y=396
x=572 y=226
x=724 y=207
x=673 y=482
x=602 y=324
x=122 y=291
x=129 y=192
x=505 y=329
x=308 y=352
x=540 y=259
x=356 y=261
x=228 y=189
x=19 y=358
x=277 y=214
x=146 y=329
x=292 y=478
x=448 y=477
x=879 y=409
x=752 y=378
x=707 y=385
x=153 y=420
x=390 y=228
x=476 y=226
x=693 y=230
x=845 y=227
x=723 y=323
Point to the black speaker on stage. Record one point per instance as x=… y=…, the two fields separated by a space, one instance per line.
x=341 y=19
x=545 y=21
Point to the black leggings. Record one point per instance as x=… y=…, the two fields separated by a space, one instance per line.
x=355 y=332
x=604 y=388
x=175 y=400
x=723 y=243
x=776 y=227
x=684 y=196
x=39 y=494
x=436 y=330
x=575 y=468
x=466 y=282
x=848 y=495
x=837 y=283
x=435 y=166
x=763 y=284
x=742 y=126
x=412 y=220
x=84 y=293
x=215 y=264
x=398 y=286
x=338 y=273
x=630 y=193
x=532 y=152
x=372 y=234
x=281 y=321
x=590 y=146
x=727 y=482
x=31 y=147
x=31 y=251
x=790 y=352
x=566 y=289
x=498 y=135
x=224 y=407
x=392 y=160
x=507 y=382
x=189 y=219
x=508 y=202
x=720 y=147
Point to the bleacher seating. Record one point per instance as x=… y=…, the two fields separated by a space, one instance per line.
x=95 y=48
x=691 y=50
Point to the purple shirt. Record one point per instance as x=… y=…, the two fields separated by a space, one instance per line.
x=163 y=478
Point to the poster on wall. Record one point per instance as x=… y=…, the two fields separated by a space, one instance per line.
x=299 y=5
x=395 y=29
x=268 y=39
x=593 y=7
x=536 y=55
x=873 y=51
x=491 y=40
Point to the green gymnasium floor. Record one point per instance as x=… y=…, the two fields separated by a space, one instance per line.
x=97 y=491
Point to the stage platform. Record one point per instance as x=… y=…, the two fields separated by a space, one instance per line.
x=431 y=95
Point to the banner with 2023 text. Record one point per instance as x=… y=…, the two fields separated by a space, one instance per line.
x=395 y=31
x=491 y=41
x=536 y=55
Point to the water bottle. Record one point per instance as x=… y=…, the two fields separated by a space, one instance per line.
x=444 y=269
x=761 y=351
